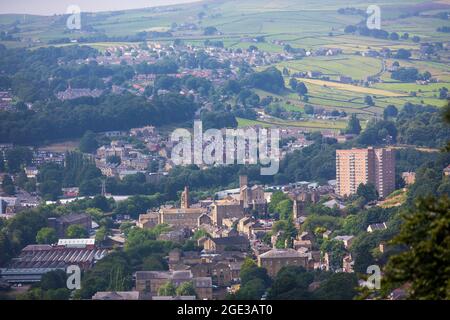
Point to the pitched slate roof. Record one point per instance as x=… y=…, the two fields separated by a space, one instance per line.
x=230 y=241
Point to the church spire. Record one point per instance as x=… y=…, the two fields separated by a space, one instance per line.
x=185 y=198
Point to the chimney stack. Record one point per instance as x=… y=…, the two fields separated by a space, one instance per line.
x=243 y=181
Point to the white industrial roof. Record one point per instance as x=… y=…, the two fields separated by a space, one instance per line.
x=76 y=242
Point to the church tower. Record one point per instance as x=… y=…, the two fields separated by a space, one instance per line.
x=185 y=198
x=244 y=191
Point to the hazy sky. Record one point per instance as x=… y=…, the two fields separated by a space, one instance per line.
x=50 y=7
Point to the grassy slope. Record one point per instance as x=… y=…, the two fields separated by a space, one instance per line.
x=304 y=24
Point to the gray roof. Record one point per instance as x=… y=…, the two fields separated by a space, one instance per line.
x=378 y=226
x=113 y=295
x=182 y=274
x=25 y=275
x=332 y=203
x=230 y=241
x=73 y=217
x=175 y=275
x=146 y=275
x=282 y=253
x=343 y=238
x=45 y=256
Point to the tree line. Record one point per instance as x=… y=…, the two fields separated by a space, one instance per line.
x=71 y=120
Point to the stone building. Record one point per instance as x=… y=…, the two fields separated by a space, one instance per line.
x=148 y=220
x=302 y=200
x=237 y=243
x=251 y=198
x=205 y=219
x=226 y=208
x=276 y=259
x=184 y=217
x=149 y=282
x=203 y=288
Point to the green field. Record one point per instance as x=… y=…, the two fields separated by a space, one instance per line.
x=308 y=125
x=357 y=67
x=308 y=24
x=303 y=23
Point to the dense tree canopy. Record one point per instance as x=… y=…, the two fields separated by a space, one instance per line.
x=76 y=231
x=353 y=126
x=270 y=80
x=422 y=125
x=46 y=236
x=88 y=143
x=424 y=265
x=70 y=120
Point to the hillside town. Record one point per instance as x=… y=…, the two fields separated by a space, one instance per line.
x=197 y=151
x=235 y=225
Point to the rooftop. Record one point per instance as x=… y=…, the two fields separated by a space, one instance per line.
x=72 y=217
x=116 y=295
x=46 y=256
x=343 y=238
x=183 y=210
x=282 y=253
x=76 y=242
x=175 y=275
x=238 y=240
x=378 y=226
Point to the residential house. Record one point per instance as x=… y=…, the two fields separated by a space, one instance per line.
x=150 y=281
x=276 y=259
x=347 y=240
x=239 y=243
x=376 y=227
x=307 y=244
x=148 y=220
